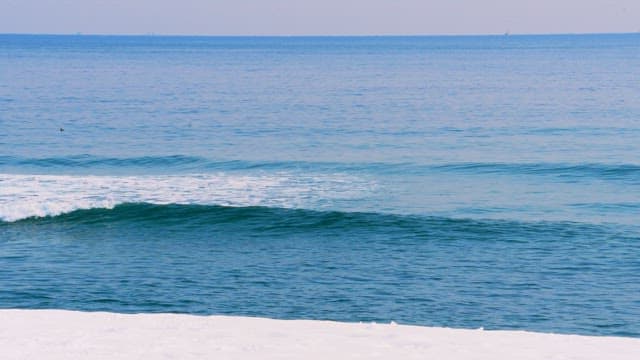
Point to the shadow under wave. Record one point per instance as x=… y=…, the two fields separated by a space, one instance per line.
x=282 y=221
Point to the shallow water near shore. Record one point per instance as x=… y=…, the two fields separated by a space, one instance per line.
x=442 y=181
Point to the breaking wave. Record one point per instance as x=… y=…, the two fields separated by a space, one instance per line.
x=25 y=196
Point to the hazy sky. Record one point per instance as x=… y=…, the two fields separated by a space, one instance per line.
x=317 y=17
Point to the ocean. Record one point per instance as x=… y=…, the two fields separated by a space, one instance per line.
x=456 y=181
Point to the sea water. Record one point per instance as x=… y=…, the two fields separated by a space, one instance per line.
x=488 y=181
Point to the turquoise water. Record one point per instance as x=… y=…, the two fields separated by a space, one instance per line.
x=445 y=181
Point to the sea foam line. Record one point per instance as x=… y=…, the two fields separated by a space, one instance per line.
x=25 y=196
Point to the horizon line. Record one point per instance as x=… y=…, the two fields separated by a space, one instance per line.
x=151 y=34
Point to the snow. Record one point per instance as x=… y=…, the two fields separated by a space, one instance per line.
x=59 y=334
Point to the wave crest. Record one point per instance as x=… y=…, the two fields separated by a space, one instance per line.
x=182 y=163
x=25 y=196
x=281 y=221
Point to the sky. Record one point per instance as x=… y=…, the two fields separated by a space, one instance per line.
x=318 y=17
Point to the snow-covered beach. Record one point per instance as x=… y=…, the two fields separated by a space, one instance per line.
x=58 y=334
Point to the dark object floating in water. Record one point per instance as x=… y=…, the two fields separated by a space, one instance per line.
x=61 y=129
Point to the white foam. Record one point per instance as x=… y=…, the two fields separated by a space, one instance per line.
x=24 y=196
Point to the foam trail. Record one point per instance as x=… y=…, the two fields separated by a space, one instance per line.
x=24 y=196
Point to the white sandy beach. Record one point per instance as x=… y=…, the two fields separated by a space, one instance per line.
x=57 y=334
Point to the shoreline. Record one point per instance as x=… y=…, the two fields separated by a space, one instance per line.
x=62 y=334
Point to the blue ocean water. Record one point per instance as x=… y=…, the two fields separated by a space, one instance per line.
x=486 y=181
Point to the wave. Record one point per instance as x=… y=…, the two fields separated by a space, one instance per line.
x=268 y=220
x=182 y=163
x=89 y=162
x=24 y=196
x=576 y=171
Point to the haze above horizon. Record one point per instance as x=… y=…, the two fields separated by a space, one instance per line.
x=327 y=17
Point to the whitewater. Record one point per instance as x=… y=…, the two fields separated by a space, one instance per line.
x=25 y=196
